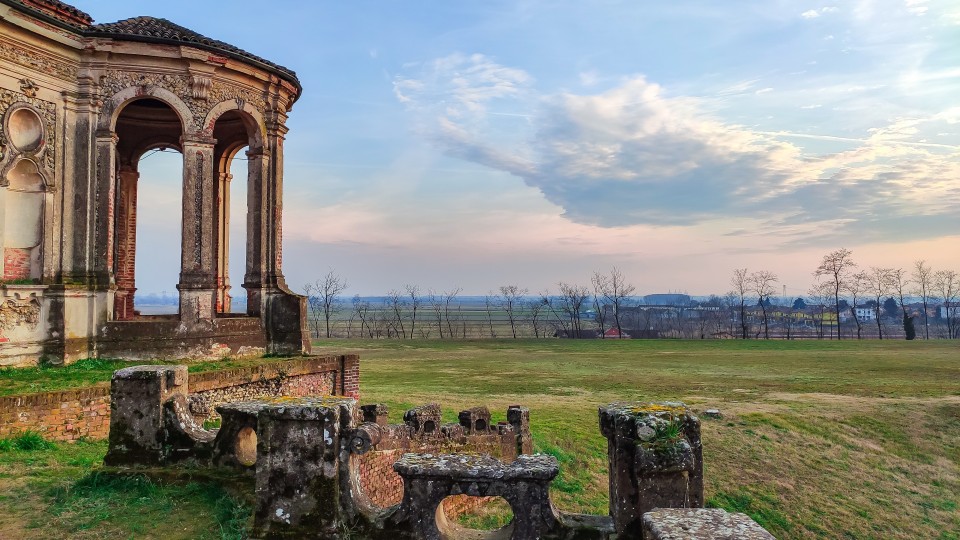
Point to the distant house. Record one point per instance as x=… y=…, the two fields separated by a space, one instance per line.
x=954 y=311
x=613 y=333
x=866 y=313
x=667 y=299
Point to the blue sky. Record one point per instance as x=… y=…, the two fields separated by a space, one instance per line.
x=477 y=144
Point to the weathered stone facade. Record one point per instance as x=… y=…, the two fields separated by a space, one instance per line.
x=80 y=103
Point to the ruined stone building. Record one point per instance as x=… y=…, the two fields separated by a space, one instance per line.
x=80 y=104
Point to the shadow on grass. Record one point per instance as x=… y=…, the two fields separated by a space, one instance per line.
x=101 y=498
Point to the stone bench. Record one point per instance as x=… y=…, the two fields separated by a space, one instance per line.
x=524 y=484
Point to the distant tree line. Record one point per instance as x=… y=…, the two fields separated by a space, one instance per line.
x=843 y=302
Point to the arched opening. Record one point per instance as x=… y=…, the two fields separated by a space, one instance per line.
x=147 y=209
x=466 y=516
x=235 y=132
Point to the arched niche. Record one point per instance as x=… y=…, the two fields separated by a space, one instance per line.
x=22 y=205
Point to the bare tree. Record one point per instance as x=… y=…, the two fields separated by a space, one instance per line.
x=879 y=279
x=763 y=284
x=451 y=318
x=551 y=305
x=857 y=286
x=362 y=309
x=837 y=265
x=601 y=284
x=820 y=293
x=436 y=305
x=923 y=282
x=900 y=284
x=488 y=304
x=326 y=291
x=314 y=308
x=415 y=302
x=618 y=294
x=741 y=290
x=947 y=283
x=509 y=298
x=536 y=310
x=397 y=305
x=572 y=298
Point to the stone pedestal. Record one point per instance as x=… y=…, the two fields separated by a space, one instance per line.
x=298 y=468
x=655 y=460
x=137 y=402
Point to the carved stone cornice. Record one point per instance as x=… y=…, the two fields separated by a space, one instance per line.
x=43 y=63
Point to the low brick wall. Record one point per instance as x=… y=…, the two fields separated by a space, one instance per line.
x=72 y=414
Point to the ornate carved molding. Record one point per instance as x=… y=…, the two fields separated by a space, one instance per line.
x=28 y=87
x=200 y=86
x=42 y=63
x=16 y=312
x=198 y=92
x=47 y=111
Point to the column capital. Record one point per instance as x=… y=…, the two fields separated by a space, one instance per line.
x=106 y=134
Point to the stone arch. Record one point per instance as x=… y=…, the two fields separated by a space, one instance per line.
x=258 y=135
x=113 y=106
x=234 y=124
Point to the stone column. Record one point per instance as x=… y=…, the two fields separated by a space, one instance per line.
x=284 y=313
x=198 y=284
x=298 y=484
x=101 y=263
x=79 y=183
x=655 y=461
x=258 y=159
x=223 y=243
x=126 y=244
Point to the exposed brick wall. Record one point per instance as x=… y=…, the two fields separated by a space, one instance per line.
x=384 y=487
x=61 y=416
x=72 y=414
x=16 y=263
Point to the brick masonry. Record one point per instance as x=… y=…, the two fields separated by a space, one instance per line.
x=73 y=414
x=384 y=487
x=16 y=263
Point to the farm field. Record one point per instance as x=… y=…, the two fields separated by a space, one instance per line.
x=818 y=439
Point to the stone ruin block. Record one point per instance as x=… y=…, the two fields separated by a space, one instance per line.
x=655 y=460
x=429 y=479
x=375 y=413
x=701 y=524
x=138 y=395
x=425 y=419
x=236 y=441
x=298 y=484
x=519 y=418
x=475 y=420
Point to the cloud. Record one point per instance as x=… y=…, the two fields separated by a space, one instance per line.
x=814 y=13
x=634 y=155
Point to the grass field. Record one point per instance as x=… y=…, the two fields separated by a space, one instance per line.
x=818 y=440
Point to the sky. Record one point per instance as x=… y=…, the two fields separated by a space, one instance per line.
x=475 y=144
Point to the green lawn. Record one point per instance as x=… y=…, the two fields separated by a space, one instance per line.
x=819 y=439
